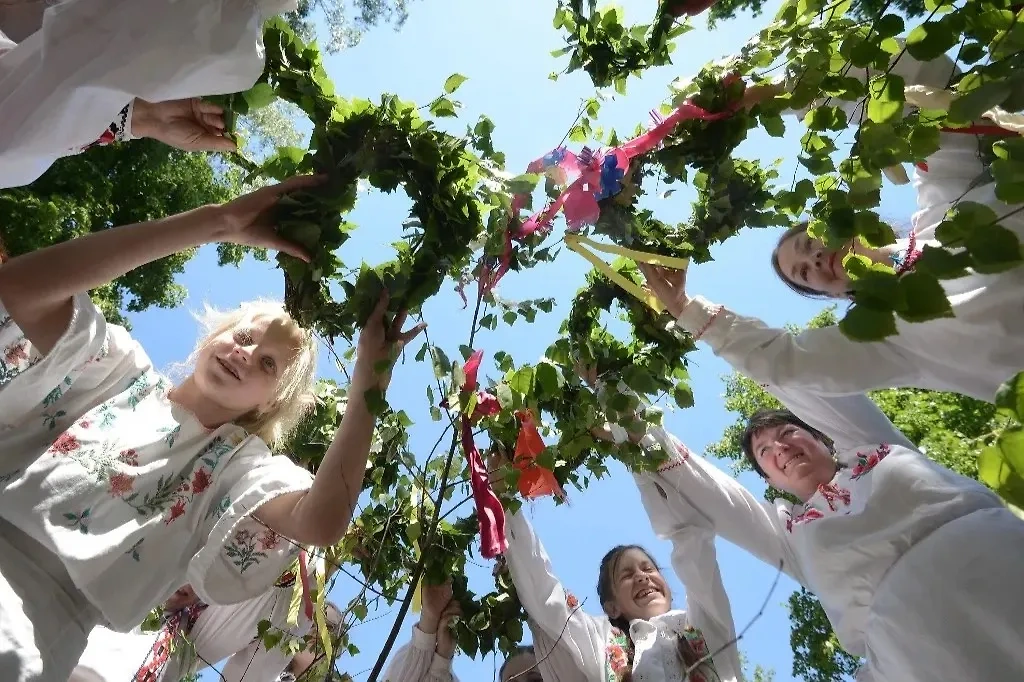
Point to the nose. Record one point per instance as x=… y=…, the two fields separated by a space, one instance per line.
x=242 y=353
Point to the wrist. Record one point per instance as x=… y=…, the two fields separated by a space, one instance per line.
x=142 y=118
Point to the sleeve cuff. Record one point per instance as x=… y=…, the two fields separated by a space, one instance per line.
x=122 y=125
x=422 y=640
x=440 y=664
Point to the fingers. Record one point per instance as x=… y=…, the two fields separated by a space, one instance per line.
x=284 y=246
x=202 y=107
x=377 y=316
x=210 y=142
x=396 y=324
x=294 y=184
x=406 y=337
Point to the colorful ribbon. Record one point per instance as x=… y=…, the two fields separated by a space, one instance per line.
x=534 y=479
x=579 y=244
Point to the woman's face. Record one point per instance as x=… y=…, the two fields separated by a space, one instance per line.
x=807 y=262
x=793 y=459
x=638 y=589
x=521 y=668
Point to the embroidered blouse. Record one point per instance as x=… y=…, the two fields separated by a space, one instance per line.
x=133 y=494
x=596 y=649
x=842 y=542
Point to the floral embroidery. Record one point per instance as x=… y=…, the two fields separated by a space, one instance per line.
x=15 y=360
x=137 y=390
x=833 y=494
x=51 y=419
x=133 y=551
x=16 y=352
x=172 y=434
x=684 y=455
x=571 y=601
x=108 y=416
x=242 y=550
x=219 y=510
x=129 y=457
x=78 y=521
x=808 y=514
x=269 y=540
x=120 y=484
x=65 y=444
x=616 y=655
x=866 y=463
x=201 y=481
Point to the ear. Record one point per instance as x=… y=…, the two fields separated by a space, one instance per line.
x=612 y=609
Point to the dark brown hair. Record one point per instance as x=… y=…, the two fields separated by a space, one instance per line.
x=605 y=583
x=763 y=419
x=527 y=649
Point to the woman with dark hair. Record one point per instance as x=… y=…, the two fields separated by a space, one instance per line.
x=917 y=567
x=639 y=634
x=984 y=332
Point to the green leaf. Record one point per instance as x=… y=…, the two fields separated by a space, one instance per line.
x=453 y=83
x=1010 y=398
x=932 y=39
x=773 y=124
x=993 y=248
x=969 y=106
x=259 y=96
x=868 y=324
x=442 y=107
x=683 y=395
x=549 y=379
x=890 y=25
x=925 y=298
x=522 y=380
x=886 y=98
x=504 y=395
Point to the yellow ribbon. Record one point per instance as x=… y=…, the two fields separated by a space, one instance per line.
x=579 y=244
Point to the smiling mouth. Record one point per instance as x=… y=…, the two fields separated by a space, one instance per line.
x=646 y=592
x=795 y=459
x=229 y=369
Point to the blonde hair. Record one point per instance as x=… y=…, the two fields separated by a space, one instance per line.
x=294 y=397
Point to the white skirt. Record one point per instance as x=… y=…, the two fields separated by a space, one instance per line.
x=952 y=609
x=44 y=619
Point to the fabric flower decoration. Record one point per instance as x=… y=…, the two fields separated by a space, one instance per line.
x=534 y=480
x=611 y=177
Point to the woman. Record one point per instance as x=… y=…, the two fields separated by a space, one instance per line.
x=640 y=634
x=888 y=540
x=985 y=334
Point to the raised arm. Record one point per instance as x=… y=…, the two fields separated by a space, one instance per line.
x=62 y=86
x=417 y=662
x=37 y=288
x=255 y=663
x=689 y=492
x=547 y=603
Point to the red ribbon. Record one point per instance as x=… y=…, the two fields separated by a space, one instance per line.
x=489 y=512
x=307 y=599
x=534 y=479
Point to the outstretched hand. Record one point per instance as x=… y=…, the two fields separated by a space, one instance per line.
x=668 y=284
x=380 y=342
x=191 y=125
x=249 y=220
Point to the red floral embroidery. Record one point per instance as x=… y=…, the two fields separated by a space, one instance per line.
x=268 y=540
x=867 y=462
x=571 y=601
x=684 y=454
x=67 y=442
x=85 y=423
x=121 y=484
x=833 y=494
x=129 y=457
x=15 y=353
x=201 y=481
x=808 y=514
x=177 y=509
x=617 y=658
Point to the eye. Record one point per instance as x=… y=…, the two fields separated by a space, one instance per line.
x=268 y=364
x=803 y=272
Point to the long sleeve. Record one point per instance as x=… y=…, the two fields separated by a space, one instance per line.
x=849 y=420
x=417 y=662
x=822 y=360
x=546 y=601
x=695 y=561
x=62 y=86
x=255 y=663
x=689 y=492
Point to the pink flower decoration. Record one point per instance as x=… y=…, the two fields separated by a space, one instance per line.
x=471 y=368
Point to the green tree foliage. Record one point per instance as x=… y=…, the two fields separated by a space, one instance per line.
x=106 y=187
x=867 y=9
x=948 y=427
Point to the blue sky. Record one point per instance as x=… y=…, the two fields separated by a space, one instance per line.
x=503 y=48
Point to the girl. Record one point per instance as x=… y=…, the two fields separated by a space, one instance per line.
x=640 y=635
x=117 y=487
x=985 y=335
x=887 y=539
x=428 y=656
x=87 y=60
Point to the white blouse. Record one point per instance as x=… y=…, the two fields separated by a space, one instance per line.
x=985 y=337
x=417 y=661
x=592 y=645
x=841 y=543
x=132 y=493
x=62 y=86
